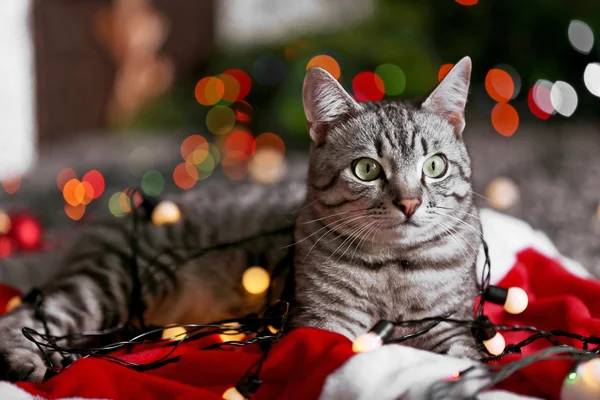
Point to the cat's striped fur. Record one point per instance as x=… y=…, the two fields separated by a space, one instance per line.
x=356 y=259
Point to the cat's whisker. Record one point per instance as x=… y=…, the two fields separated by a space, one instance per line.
x=451 y=231
x=480 y=195
x=469 y=226
x=333 y=215
x=351 y=235
x=365 y=237
x=324 y=227
x=357 y=235
x=331 y=230
x=452 y=209
x=307 y=205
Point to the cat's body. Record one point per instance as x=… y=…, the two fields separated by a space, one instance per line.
x=401 y=245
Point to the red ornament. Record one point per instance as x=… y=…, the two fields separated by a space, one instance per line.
x=26 y=231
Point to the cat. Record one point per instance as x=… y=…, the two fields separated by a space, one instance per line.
x=385 y=228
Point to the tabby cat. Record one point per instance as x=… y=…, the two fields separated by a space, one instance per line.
x=385 y=228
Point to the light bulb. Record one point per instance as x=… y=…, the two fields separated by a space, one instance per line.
x=496 y=344
x=165 y=212
x=583 y=383
x=256 y=280
x=233 y=334
x=175 y=333
x=591 y=374
x=233 y=394
x=13 y=303
x=5 y=222
x=516 y=300
x=373 y=339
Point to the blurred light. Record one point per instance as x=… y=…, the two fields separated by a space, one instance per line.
x=185 y=175
x=539 y=99
x=96 y=180
x=467 y=2
x=119 y=204
x=393 y=78
x=235 y=165
x=591 y=374
x=74 y=192
x=243 y=80
x=563 y=98
x=581 y=36
x=176 y=333
x=242 y=111
x=232 y=394
x=232 y=334
x=270 y=141
x=256 y=280
x=75 y=212
x=12 y=184
x=88 y=193
x=368 y=86
x=13 y=303
x=231 y=88
x=326 y=62
x=5 y=223
x=269 y=70
x=267 y=166
x=64 y=176
x=444 y=69
x=514 y=75
x=153 y=183
x=241 y=141
x=502 y=193
x=215 y=153
x=220 y=120
x=499 y=85
x=166 y=212
x=209 y=90
x=192 y=143
x=7 y=246
x=505 y=119
x=591 y=78
x=206 y=167
x=139 y=161
x=198 y=156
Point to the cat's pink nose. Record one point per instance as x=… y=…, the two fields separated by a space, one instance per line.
x=408 y=206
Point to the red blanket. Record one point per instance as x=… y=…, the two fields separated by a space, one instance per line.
x=298 y=365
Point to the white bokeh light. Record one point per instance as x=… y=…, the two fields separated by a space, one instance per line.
x=591 y=78
x=541 y=96
x=564 y=98
x=581 y=36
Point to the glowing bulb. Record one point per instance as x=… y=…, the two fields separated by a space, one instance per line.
x=256 y=280
x=233 y=394
x=175 y=333
x=516 y=300
x=583 y=383
x=13 y=303
x=272 y=329
x=496 y=344
x=4 y=223
x=231 y=335
x=374 y=338
x=165 y=212
x=572 y=376
x=502 y=193
x=591 y=374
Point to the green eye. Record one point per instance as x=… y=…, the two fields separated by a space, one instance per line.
x=367 y=169
x=435 y=166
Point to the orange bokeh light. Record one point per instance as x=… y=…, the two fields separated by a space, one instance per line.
x=326 y=62
x=64 y=176
x=444 y=69
x=467 y=2
x=231 y=87
x=242 y=142
x=270 y=141
x=75 y=212
x=243 y=80
x=73 y=192
x=12 y=184
x=209 y=91
x=185 y=175
x=191 y=144
x=235 y=165
x=505 y=119
x=499 y=85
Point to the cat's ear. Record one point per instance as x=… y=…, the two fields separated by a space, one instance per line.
x=449 y=98
x=325 y=102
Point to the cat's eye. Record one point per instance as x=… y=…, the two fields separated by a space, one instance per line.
x=435 y=166
x=367 y=169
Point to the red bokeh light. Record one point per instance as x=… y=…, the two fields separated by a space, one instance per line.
x=242 y=142
x=95 y=179
x=243 y=80
x=368 y=86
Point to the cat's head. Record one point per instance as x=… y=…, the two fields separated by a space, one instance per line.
x=393 y=169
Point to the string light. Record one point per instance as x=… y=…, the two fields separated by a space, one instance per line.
x=256 y=280
x=174 y=333
x=13 y=303
x=492 y=340
x=166 y=212
x=233 y=394
x=374 y=338
x=230 y=332
x=514 y=299
x=591 y=374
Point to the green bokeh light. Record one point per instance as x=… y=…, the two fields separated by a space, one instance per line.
x=393 y=78
x=153 y=183
x=114 y=204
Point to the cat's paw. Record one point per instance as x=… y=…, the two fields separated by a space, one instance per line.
x=20 y=359
x=462 y=350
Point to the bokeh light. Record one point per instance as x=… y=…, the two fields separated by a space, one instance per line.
x=215 y=153
x=539 y=100
x=393 y=78
x=5 y=223
x=444 y=69
x=502 y=193
x=220 y=120
x=139 y=161
x=514 y=75
x=591 y=78
x=209 y=90
x=95 y=179
x=243 y=80
x=119 y=204
x=7 y=246
x=467 y=2
x=231 y=88
x=505 y=119
x=267 y=165
x=256 y=280
x=243 y=112
x=185 y=175
x=191 y=144
x=12 y=184
x=240 y=141
x=75 y=212
x=326 y=62
x=74 y=192
x=153 y=183
x=581 y=36
x=235 y=165
x=206 y=167
x=231 y=334
x=499 y=85
x=175 y=333
x=270 y=141
x=64 y=176
x=368 y=86
x=564 y=98
x=269 y=69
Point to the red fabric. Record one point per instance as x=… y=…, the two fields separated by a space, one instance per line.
x=298 y=365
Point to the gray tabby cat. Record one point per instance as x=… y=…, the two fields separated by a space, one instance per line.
x=387 y=231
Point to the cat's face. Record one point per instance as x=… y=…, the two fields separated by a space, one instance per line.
x=388 y=171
